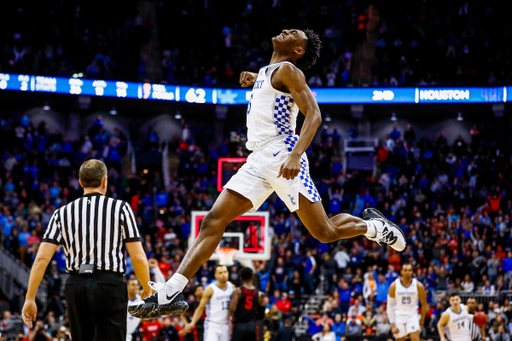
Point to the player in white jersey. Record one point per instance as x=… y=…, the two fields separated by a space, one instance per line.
x=278 y=163
x=215 y=299
x=402 y=307
x=455 y=319
x=132 y=322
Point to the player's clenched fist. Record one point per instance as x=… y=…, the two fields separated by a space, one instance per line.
x=247 y=78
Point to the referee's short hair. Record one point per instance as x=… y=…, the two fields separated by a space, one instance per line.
x=91 y=173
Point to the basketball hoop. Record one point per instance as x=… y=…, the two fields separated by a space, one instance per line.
x=226 y=255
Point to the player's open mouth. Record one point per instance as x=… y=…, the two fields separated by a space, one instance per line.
x=281 y=36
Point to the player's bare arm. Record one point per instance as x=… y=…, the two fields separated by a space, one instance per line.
x=290 y=79
x=235 y=297
x=445 y=317
x=423 y=302
x=200 y=309
x=391 y=304
x=247 y=78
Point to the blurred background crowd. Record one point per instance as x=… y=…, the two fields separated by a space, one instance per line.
x=450 y=193
x=412 y=44
x=451 y=198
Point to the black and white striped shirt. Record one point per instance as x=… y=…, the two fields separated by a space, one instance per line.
x=92 y=230
x=474 y=330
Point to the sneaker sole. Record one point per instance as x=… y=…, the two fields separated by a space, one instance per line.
x=370 y=213
x=152 y=309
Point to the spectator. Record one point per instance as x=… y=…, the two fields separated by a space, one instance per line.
x=309 y=271
x=354 y=327
x=150 y=329
x=370 y=287
x=468 y=284
x=325 y=335
x=338 y=326
x=280 y=276
x=325 y=319
x=284 y=304
x=341 y=257
x=287 y=333
x=168 y=332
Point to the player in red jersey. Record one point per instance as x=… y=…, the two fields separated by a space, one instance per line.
x=244 y=305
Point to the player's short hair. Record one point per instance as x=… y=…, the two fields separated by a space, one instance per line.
x=312 y=50
x=92 y=172
x=219 y=266
x=246 y=274
x=454 y=293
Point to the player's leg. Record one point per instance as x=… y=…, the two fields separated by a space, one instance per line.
x=341 y=226
x=414 y=336
x=402 y=332
x=412 y=328
x=169 y=300
x=229 y=206
x=374 y=225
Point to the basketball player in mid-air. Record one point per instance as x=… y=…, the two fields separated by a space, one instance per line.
x=278 y=163
x=454 y=321
x=244 y=305
x=215 y=298
x=402 y=307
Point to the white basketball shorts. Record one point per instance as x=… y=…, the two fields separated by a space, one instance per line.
x=217 y=332
x=406 y=326
x=257 y=179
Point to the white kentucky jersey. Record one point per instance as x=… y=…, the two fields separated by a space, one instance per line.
x=217 y=309
x=132 y=322
x=457 y=327
x=271 y=113
x=406 y=299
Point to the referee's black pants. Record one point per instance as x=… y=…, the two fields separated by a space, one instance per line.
x=97 y=306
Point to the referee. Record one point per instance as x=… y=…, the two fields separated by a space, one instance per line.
x=92 y=231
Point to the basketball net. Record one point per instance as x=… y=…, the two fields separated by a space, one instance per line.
x=226 y=255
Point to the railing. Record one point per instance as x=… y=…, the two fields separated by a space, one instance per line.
x=131 y=154
x=480 y=296
x=312 y=306
x=7 y=285
x=20 y=273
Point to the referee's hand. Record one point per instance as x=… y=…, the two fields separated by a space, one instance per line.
x=29 y=313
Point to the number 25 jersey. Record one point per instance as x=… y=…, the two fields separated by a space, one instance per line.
x=406 y=300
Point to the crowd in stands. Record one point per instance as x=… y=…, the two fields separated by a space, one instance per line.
x=417 y=44
x=442 y=43
x=451 y=198
x=62 y=39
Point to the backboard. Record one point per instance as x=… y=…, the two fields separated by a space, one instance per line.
x=226 y=168
x=250 y=230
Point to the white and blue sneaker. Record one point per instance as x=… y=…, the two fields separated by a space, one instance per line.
x=166 y=301
x=387 y=232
